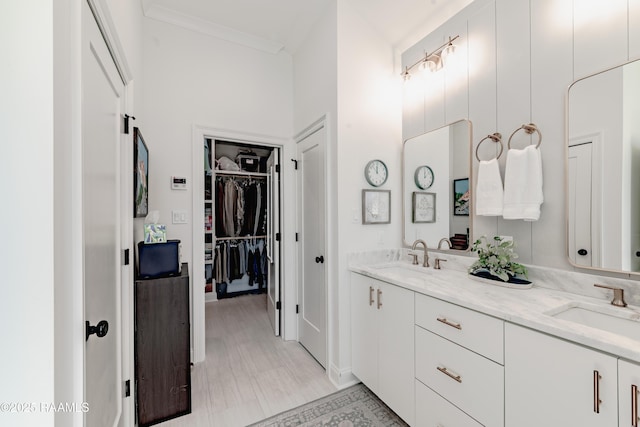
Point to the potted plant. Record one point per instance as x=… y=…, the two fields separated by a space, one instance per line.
x=496 y=262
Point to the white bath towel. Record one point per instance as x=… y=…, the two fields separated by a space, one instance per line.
x=489 y=193
x=523 y=184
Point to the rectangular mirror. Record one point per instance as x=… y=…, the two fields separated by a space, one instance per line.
x=603 y=170
x=436 y=202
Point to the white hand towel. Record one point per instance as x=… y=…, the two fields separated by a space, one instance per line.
x=523 y=184
x=489 y=193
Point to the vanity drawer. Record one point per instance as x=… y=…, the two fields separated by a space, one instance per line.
x=432 y=410
x=471 y=382
x=475 y=331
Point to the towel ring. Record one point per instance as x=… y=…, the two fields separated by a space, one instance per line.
x=497 y=138
x=529 y=129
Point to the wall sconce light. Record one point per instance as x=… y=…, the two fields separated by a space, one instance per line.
x=433 y=61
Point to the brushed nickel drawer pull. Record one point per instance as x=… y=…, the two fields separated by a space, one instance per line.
x=379 y=299
x=634 y=405
x=370 y=296
x=596 y=392
x=448 y=323
x=449 y=374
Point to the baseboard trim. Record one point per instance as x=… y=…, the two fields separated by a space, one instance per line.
x=342 y=378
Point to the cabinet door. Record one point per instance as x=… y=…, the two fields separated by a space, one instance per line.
x=628 y=386
x=396 y=349
x=364 y=333
x=554 y=383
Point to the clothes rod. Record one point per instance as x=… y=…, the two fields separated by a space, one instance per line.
x=241 y=238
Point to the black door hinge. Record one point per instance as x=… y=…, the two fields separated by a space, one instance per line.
x=297 y=309
x=277 y=168
x=277 y=237
x=278 y=305
x=127 y=388
x=126 y=123
x=126 y=257
x=296 y=237
x=295 y=164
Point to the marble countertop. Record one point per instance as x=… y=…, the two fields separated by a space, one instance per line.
x=525 y=307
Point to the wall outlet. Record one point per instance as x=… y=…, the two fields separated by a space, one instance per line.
x=179 y=217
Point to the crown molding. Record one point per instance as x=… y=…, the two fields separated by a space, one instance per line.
x=164 y=14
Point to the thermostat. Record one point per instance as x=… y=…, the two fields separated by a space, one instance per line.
x=178 y=183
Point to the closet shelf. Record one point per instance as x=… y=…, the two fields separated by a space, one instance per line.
x=241 y=173
x=241 y=238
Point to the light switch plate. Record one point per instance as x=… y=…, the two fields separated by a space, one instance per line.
x=179 y=217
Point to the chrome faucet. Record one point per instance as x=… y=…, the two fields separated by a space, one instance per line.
x=618 y=295
x=425 y=262
x=444 y=240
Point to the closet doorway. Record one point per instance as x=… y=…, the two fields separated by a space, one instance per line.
x=241 y=235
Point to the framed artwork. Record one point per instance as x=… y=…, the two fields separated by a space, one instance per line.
x=424 y=207
x=140 y=175
x=376 y=206
x=461 y=197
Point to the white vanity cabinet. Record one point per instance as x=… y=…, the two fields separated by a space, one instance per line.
x=554 y=383
x=628 y=387
x=458 y=356
x=382 y=349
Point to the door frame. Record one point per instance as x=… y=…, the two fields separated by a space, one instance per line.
x=198 y=135
x=322 y=122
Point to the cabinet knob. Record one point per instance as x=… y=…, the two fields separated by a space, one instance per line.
x=320 y=259
x=583 y=252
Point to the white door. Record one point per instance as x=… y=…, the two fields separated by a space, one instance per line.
x=312 y=299
x=273 y=243
x=579 y=226
x=102 y=101
x=628 y=386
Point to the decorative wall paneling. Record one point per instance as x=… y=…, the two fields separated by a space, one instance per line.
x=522 y=56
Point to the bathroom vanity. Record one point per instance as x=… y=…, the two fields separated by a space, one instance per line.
x=444 y=350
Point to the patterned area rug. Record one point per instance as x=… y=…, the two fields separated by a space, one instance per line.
x=355 y=406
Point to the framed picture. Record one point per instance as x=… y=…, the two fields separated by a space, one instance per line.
x=461 y=197
x=376 y=206
x=424 y=207
x=140 y=175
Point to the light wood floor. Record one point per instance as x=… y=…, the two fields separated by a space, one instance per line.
x=249 y=374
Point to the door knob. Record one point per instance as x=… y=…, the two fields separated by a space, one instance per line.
x=582 y=252
x=100 y=329
x=320 y=259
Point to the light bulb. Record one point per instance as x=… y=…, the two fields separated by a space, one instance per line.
x=448 y=52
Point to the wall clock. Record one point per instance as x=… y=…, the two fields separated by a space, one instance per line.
x=376 y=173
x=423 y=177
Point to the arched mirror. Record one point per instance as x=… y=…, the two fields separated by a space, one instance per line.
x=436 y=186
x=603 y=170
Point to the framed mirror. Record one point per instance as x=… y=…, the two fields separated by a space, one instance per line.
x=603 y=170
x=436 y=201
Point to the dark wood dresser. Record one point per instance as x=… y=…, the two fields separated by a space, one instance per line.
x=162 y=348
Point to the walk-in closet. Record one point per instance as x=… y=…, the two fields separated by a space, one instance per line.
x=242 y=221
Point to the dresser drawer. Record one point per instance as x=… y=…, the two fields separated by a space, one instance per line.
x=469 y=381
x=432 y=410
x=475 y=331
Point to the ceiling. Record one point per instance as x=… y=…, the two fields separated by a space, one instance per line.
x=275 y=25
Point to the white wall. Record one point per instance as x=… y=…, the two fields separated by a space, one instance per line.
x=368 y=127
x=27 y=188
x=191 y=78
x=522 y=56
x=345 y=70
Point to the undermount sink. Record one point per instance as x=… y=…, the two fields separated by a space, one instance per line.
x=619 y=321
x=406 y=270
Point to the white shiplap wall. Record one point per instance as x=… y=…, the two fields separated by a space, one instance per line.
x=520 y=56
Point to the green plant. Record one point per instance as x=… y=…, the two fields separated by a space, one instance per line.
x=496 y=256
